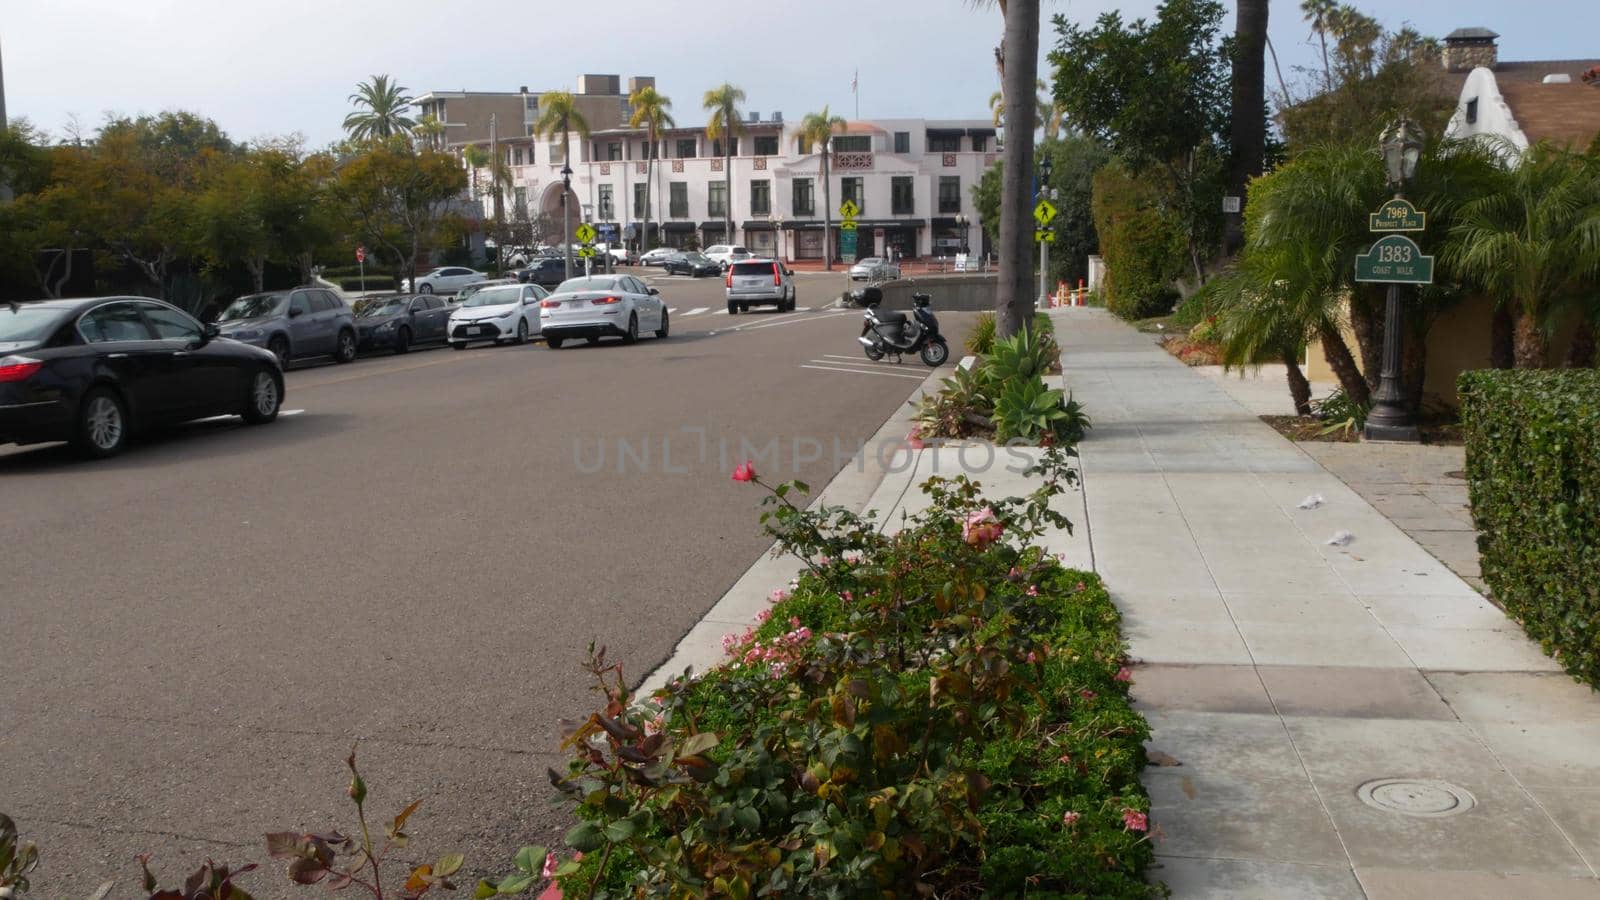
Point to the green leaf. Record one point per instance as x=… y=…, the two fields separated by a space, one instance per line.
x=531 y=859
x=619 y=831
x=515 y=884
x=484 y=890
x=698 y=744
x=584 y=837
x=448 y=864
x=747 y=817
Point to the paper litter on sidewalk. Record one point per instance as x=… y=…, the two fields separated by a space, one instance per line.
x=1311 y=502
x=1341 y=539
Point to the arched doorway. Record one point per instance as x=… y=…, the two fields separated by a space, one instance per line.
x=550 y=209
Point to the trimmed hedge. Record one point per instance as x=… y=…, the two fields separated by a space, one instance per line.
x=372 y=283
x=1533 y=465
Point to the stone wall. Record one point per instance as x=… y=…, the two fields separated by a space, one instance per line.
x=968 y=293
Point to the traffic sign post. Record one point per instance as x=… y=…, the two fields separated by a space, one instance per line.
x=1394 y=259
x=585 y=234
x=848 y=210
x=361 y=260
x=1044 y=212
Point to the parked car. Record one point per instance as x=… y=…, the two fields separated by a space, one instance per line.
x=656 y=257
x=600 y=306
x=725 y=255
x=293 y=324
x=760 y=282
x=402 y=320
x=95 y=372
x=620 y=255
x=874 y=268
x=447 y=280
x=548 y=271
x=500 y=313
x=690 y=264
x=461 y=296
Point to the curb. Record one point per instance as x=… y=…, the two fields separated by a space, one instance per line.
x=853 y=487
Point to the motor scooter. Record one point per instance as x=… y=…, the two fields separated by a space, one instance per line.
x=888 y=333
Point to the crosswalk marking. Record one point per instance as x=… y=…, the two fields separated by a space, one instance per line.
x=697 y=310
x=719 y=312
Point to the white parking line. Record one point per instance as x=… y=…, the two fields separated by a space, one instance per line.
x=697 y=310
x=802 y=309
x=720 y=312
x=862 y=372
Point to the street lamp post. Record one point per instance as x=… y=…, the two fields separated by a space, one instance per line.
x=1045 y=192
x=1390 y=418
x=588 y=216
x=962 y=225
x=566 y=215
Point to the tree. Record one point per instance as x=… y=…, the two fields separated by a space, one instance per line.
x=380 y=112
x=1248 y=137
x=1156 y=93
x=1014 y=298
x=501 y=179
x=1533 y=241
x=651 y=112
x=1074 y=161
x=724 y=125
x=399 y=199
x=558 y=112
x=265 y=205
x=816 y=130
x=1049 y=112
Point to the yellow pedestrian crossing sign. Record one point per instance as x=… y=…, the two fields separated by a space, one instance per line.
x=586 y=252
x=1045 y=236
x=849 y=210
x=1044 y=213
x=585 y=233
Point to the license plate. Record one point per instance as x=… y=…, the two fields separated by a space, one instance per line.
x=479 y=329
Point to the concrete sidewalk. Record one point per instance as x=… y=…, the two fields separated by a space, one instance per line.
x=1347 y=721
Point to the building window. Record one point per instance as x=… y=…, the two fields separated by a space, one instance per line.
x=614 y=150
x=902 y=142
x=902 y=201
x=638 y=200
x=760 y=198
x=521 y=194
x=608 y=209
x=805 y=203
x=733 y=147
x=852 y=143
x=679 y=199
x=980 y=143
x=949 y=193
x=1472 y=110
x=717 y=198
x=944 y=143
x=557 y=154
x=685 y=148
x=516 y=156
x=852 y=189
x=767 y=145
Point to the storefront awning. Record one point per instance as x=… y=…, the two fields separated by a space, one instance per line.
x=679 y=226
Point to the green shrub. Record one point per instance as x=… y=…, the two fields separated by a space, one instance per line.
x=1533 y=467
x=371 y=283
x=1200 y=305
x=1143 y=244
x=982 y=336
x=938 y=712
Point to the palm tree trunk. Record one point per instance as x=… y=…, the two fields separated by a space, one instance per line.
x=1366 y=320
x=1299 y=387
x=727 y=189
x=1343 y=364
x=827 y=211
x=1581 y=354
x=1502 y=342
x=1249 y=125
x=1532 y=347
x=1014 y=294
x=649 y=175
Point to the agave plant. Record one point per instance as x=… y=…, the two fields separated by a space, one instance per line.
x=1027 y=410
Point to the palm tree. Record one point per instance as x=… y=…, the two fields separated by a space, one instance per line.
x=558 y=111
x=1014 y=295
x=723 y=104
x=1249 y=124
x=1321 y=14
x=649 y=111
x=1051 y=115
x=816 y=129
x=1255 y=324
x=1532 y=241
x=385 y=102
x=429 y=132
x=500 y=181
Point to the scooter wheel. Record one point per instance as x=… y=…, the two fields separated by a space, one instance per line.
x=934 y=353
x=873 y=353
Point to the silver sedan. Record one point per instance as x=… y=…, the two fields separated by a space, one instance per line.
x=874 y=268
x=602 y=306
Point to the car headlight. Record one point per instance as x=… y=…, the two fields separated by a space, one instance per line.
x=388 y=326
x=246 y=335
x=508 y=313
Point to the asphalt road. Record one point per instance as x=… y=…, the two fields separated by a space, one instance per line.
x=193 y=635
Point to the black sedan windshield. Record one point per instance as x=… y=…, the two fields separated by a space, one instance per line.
x=379 y=309
x=24 y=323
x=253 y=306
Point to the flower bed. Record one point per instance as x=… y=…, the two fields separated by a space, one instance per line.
x=1005 y=397
x=943 y=712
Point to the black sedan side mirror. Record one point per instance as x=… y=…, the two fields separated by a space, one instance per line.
x=211 y=331
x=295 y=313
x=655 y=292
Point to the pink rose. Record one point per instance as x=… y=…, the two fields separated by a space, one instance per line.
x=915 y=439
x=1133 y=820
x=1070 y=818
x=1087 y=694
x=745 y=471
x=550 y=862
x=981 y=528
x=1123 y=674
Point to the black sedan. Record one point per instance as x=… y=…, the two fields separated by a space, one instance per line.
x=403 y=320
x=93 y=372
x=546 y=271
x=690 y=264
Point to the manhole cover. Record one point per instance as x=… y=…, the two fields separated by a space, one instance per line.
x=1415 y=797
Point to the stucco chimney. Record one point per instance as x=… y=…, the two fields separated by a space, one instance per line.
x=1466 y=49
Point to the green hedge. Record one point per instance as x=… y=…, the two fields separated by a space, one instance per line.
x=1142 y=243
x=372 y=283
x=1533 y=463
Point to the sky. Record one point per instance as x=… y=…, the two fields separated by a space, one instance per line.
x=264 y=69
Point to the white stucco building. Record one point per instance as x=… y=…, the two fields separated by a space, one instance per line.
x=911 y=178
x=1522 y=102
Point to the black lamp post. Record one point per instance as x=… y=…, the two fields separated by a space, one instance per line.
x=962 y=224
x=1390 y=418
x=566 y=215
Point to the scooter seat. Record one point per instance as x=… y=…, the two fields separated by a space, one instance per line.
x=892 y=318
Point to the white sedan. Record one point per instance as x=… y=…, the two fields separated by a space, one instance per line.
x=656 y=257
x=600 y=306
x=503 y=313
x=447 y=280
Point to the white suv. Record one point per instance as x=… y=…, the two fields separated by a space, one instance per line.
x=725 y=255
x=759 y=282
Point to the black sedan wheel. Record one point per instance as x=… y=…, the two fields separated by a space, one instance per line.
x=402 y=340
x=262 y=401
x=102 y=424
x=345 y=350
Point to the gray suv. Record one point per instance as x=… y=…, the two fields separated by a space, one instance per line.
x=760 y=282
x=293 y=324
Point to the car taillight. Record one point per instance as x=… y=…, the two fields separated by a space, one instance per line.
x=18 y=368
x=776 y=281
x=550 y=304
x=602 y=301
x=730 y=276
